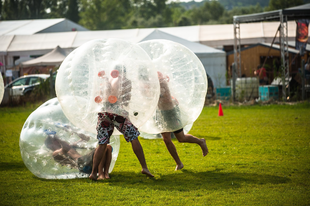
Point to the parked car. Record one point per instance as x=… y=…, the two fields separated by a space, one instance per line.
x=25 y=84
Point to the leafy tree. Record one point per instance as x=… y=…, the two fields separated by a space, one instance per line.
x=57 y=8
x=73 y=11
x=227 y=17
x=14 y=9
x=282 y=4
x=209 y=11
x=105 y=14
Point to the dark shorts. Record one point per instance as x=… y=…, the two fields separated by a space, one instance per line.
x=170 y=119
x=107 y=122
x=85 y=163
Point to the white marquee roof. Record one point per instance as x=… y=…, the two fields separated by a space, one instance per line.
x=29 y=27
x=211 y=35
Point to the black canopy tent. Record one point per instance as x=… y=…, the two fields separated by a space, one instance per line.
x=282 y=15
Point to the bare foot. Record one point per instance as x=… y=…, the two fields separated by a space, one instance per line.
x=100 y=177
x=107 y=176
x=179 y=167
x=147 y=172
x=92 y=177
x=204 y=147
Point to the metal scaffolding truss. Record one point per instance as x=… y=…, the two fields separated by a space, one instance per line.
x=282 y=15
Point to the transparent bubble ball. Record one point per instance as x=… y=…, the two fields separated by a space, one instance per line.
x=85 y=78
x=183 y=86
x=47 y=120
x=145 y=135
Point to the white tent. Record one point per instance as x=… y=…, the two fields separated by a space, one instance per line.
x=55 y=57
x=35 y=26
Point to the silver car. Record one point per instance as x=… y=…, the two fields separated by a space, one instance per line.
x=22 y=86
x=25 y=84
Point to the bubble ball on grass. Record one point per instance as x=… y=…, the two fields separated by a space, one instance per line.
x=37 y=145
x=183 y=86
x=85 y=78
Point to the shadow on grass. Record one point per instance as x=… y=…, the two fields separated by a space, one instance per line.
x=5 y=166
x=189 y=180
x=209 y=137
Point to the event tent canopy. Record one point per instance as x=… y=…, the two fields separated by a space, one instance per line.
x=55 y=57
x=35 y=26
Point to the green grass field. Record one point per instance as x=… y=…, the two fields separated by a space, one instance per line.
x=259 y=155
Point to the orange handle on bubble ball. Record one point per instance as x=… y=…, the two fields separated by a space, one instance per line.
x=114 y=73
x=98 y=99
x=101 y=73
x=112 y=99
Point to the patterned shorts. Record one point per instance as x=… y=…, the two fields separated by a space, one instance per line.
x=107 y=122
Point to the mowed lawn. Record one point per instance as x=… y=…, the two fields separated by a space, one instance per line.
x=259 y=155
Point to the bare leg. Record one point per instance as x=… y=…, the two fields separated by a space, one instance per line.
x=137 y=148
x=192 y=139
x=101 y=165
x=107 y=162
x=172 y=150
x=98 y=156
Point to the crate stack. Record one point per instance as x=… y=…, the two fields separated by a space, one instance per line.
x=268 y=92
x=246 y=88
x=223 y=93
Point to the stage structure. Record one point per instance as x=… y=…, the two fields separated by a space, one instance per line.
x=283 y=16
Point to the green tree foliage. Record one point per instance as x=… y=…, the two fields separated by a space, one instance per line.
x=209 y=11
x=22 y=9
x=231 y=4
x=282 y=4
x=227 y=17
x=73 y=11
x=119 y=14
x=105 y=14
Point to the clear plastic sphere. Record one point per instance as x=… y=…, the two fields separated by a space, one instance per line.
x=107 y=75
x=183 y=86
x=145 y=135
x=39 y=149
x=1 y=88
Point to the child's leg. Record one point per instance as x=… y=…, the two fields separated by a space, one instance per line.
x=137 y=148
x=188 y=138
x=172 y=150
x=97 y=159
x=107 y=162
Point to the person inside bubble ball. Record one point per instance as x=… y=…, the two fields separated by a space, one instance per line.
x=119 y=96
x=65 y=154
x=169 y=110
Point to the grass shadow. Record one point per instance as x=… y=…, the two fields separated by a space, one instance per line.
x=188 y=180
x=209 y=137
x=15 y=166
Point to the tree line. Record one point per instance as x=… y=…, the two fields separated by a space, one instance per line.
x=126 y=14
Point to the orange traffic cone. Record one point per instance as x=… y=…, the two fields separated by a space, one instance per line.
x=220 y=110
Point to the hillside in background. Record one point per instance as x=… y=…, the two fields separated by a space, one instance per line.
x=229 y=4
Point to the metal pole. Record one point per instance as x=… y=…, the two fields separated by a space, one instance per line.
x=303 y=79
x=234 y=81
x=287 y=68
x=283 y=61
x=237 y=46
